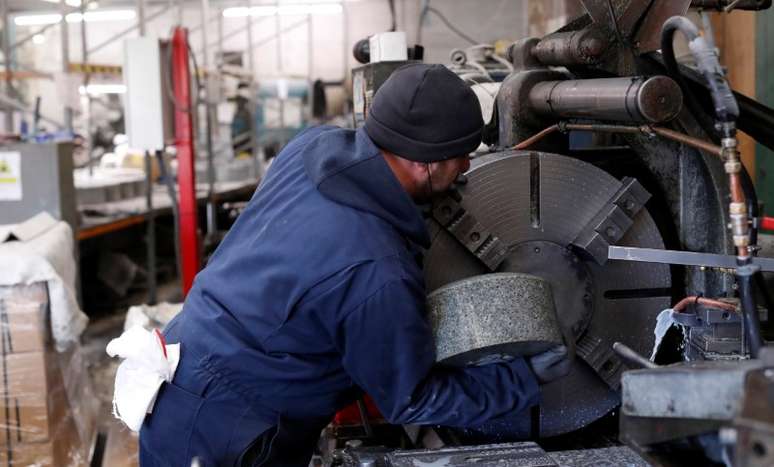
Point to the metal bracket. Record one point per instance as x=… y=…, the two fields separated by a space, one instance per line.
x=599 y=355
x=470 y=233
x=612 y=221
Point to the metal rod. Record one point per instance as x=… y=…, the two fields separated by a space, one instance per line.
x=141 y=17
x=219 y=61
x=150 y=226
x=196 y=28
x=275 y=35
x=126 y=31
x=684 y=258
x=631 y=357
x=29 y=37
x=309 y=49
x=20 y=106
x=249 y=49
x=369 y=432
x=169 y=182
x=629 y=100
x=8 y=64
x=64 y=33
x=210 y=208
x=150 y=233
x=345 y=42
x=229 y=35
x=277 y=25
x=86 y=78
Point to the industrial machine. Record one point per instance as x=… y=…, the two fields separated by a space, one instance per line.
x=613 y=174
x=281 y=112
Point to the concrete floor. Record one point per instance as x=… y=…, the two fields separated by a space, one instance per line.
x=120 y=444
x=120 y=448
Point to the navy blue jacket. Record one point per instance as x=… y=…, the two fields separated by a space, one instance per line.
x=315 y=294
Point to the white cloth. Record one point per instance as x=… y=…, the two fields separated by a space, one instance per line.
x=45 y=254
x=147 y=364
x=664 y=321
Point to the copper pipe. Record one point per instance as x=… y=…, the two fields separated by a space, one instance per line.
x=682 y=304
x=537 y=137
x=737 y=194
x=602 y=127
x=596 y=127
x=688 y=140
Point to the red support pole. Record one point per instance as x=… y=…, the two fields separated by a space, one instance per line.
x=186 y=174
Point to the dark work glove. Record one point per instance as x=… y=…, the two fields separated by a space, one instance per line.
x=551 y=364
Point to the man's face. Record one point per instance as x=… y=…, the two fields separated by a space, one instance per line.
x=443 y=174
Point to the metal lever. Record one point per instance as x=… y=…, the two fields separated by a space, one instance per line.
x=632 y=358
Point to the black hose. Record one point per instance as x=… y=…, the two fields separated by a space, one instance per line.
x=751 y=198
x=726 y=107
x=673 y=70
x=768 y=301
x=170 y=184
x=752 y=326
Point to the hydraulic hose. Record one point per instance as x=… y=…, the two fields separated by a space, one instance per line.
x=726 y=107
x=751 y=198
x=745 y=276
x=768 y=300
x=169 y=182
x=726 y=113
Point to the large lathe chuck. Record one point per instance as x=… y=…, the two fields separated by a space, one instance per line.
x=555 y=215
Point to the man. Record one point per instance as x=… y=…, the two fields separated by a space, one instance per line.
x=242 y=122
x=316 y=294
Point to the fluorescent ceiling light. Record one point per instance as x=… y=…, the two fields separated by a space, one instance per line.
x=73 y=3
x=102 y=15
x=36 y=20
x=90 y=16
x=98 y=89
x=310 y=9
x=295 y=9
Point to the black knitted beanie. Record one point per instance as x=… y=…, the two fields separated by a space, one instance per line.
x=425 y=113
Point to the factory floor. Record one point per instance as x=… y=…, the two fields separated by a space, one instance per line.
x=117 y=445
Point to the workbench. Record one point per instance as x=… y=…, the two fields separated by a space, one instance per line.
x=102 y=218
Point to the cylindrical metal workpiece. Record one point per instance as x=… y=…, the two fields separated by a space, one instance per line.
x=571 y=47
x=636 y=99
x=720 y=5
x=492 y=318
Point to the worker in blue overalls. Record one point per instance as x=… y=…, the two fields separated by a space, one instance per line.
x=316 y=295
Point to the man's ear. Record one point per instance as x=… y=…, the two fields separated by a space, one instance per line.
x=419 y=169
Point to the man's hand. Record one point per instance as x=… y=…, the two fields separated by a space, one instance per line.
x=551 y=364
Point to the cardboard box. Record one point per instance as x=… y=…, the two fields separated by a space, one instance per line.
x=41 y=430
x=24 y=325
x=64 y=449
x=25 y=408
x=83 y=402
x=47 y=405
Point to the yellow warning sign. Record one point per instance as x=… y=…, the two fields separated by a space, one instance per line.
x=10 y=176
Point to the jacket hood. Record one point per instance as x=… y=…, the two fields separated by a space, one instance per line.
x=348 y=168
